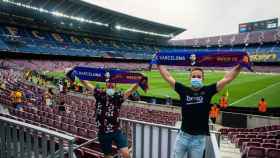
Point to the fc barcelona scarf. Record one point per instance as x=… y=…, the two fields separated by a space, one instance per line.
x=203 y=58
x=108 y=75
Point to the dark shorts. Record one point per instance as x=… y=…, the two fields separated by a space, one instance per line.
x=106 y=141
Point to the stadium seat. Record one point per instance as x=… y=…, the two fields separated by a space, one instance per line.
x=73 y=129
x=262 y=136
x=82 y=132
x=239 y=141
x=251 y=136
x=65 y=127
x=257 y=140
x=235 y=137
x=273 y=153
x=249 y=144
x=270 y=141
x=92 y=134
x=255 y=152
x=268 y=145
x=57 y=124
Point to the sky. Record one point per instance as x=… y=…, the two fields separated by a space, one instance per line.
x=201 y=18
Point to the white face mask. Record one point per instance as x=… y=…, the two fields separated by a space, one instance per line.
x=110 y=92
x=196 y=83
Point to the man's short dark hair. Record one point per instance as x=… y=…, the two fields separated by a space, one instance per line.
x=198 y=69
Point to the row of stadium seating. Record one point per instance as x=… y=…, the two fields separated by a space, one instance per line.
x=255 y=37
x=255 y=142
x=43 y=42
x=60 y=66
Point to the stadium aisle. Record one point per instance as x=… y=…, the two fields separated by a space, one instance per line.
x=228 y=149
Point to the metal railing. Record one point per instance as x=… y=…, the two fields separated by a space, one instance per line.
x=22 y=140
x=151 y=140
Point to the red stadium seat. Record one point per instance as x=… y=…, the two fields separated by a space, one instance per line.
x=251 y=136
x=273 y=153
x=268 y=145
x=249 y=144
x=270 y=141
x=82 y=132
x=73 y=129
x=65 y=126
x=92 y=134
x=257 y=140
x=57 y=124
x=239 y=141
x=255 y=152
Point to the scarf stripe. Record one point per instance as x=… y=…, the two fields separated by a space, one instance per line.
x=108 y=75
x=203 y=58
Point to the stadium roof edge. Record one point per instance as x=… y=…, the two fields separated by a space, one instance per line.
x=94 y=6
x=78 y=15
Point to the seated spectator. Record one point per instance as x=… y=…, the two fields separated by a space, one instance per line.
x=48 y=98
x=2 y=85
x=168 y=100
x=60 y=87
x=61 y=107
x=17 y=97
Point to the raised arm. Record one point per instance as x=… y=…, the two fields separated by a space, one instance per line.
x=88 y=85
x=229 y=76
x=128 y=92
x=166 y=75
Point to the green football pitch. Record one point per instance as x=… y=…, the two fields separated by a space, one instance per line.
x=245 y=91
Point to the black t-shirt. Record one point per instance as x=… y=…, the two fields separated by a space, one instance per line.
x=195 y=108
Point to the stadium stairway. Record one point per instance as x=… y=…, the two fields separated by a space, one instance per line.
x=228 y=149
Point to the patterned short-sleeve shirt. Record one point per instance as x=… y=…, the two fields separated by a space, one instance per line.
x=107 y=111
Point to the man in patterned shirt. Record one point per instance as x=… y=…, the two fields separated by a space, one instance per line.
x=108 y=104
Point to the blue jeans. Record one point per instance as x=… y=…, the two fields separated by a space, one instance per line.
x=193 y=145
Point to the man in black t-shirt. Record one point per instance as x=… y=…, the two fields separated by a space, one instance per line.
x=195 y=104
x=108 y=104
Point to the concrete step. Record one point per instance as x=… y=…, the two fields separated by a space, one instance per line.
x=228 y=149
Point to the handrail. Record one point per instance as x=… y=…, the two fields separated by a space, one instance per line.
x=43 y=144
x=145 y=135
x=40 y=129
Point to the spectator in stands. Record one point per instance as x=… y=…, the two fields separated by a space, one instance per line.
x=135 y=96
x=262 y=106
x=195 y=103
x=108 y=104
x=62 y=107
x=214 y=113
x=17 y=97
x=60 y=87
x=48 y=97
x=223 y=102
x=168 y=100
x=71 y=85
x=3 y=85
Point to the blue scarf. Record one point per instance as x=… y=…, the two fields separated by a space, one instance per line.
x=203 y=58
x=108 y=75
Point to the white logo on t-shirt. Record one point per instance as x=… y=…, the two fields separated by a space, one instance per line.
x=194 y=100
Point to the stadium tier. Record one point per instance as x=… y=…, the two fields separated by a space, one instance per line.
x=256 y=37
x=25 y=40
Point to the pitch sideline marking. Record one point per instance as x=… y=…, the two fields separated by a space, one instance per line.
x=248 y=96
